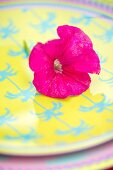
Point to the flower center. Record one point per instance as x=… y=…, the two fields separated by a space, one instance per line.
x=58 y=66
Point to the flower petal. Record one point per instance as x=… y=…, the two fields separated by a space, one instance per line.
x=79 y=52
x=54 y=48
x=42 y=80
x=61 y=85
x=51 y=85
x=38 y=58
x=77 y=82
x=87 y=61
x=66 y=32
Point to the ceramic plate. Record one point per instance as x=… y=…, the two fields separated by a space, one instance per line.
x=100 y=157
x=33 y=124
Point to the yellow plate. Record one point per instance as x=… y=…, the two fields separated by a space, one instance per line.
x=33 y=124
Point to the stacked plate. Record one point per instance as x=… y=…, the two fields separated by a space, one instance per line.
x=35 y=125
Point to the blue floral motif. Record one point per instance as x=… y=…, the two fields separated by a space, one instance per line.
x=78 y=130
x=8 y=30
x=104 y=104
x=4 y=74
x=108 y=80
x=49 y=113
x=24 y=9
x=21 y=52
x=103 y=59
x=54 y=113
x=24 y=95
x=86 y=20
x=107 y=36
x=25 y=137
x=6 y=117
x=47 y=24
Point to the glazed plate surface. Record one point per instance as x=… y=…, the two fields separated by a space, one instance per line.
x=33 y=124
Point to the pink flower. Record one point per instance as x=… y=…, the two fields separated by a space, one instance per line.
x=61 y=66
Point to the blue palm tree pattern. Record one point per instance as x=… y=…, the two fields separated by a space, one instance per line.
x=6 y=117
x=55 y=113
x=25 y=137
x=99 y=107
x=24 y=95
x=45 y=25
x=108 y=80
x=22 y=51
x=103 y=59
x=4 y=74
x=86 y=20
x=78 y=130
x=48 y=114
x=24 y=10
x=8 y=30
x=107 y=36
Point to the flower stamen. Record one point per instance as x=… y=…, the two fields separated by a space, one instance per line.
x=58 y=66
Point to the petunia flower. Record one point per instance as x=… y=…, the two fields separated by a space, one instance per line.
x=61 y=66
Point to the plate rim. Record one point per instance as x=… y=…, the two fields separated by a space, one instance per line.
x=87 y=143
